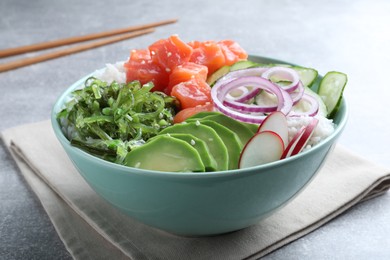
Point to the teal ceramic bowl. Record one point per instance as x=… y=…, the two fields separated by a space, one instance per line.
x=198 y=204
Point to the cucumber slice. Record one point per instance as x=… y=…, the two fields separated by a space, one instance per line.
x=307 y=75
x=331 y=90
x=243 y=64
x=217 y=75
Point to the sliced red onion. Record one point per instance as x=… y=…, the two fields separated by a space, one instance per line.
x=243 y=92
x=249 y=108
x=314 y=106
x=244 y=73
x=298 y=93
x=283 y=73
x=221 y=88
x=251 y=94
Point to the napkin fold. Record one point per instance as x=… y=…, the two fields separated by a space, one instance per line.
x=92 y=229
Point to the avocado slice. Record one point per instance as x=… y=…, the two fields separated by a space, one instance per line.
x=230 y=139
x=165 y=153
x=203 y=114
x=243 y=130
x=215 y=144
x=208 y=160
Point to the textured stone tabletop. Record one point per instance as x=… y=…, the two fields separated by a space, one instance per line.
x=348 y=36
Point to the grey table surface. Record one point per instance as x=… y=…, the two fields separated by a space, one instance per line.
x=348 y=36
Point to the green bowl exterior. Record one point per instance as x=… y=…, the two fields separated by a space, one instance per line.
x=198 y=204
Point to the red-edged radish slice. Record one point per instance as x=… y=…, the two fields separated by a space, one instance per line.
x=300 y=139
x=309 y=129
x=291 y=145
x=263 y=147
x=276 y=122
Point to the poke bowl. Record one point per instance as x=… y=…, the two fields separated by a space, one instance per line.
x=203 y=203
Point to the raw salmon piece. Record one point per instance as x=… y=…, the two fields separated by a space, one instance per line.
x=146 y=71
x=139 y=55
x=170 y=53
x=208 y=53
x=194 y=44
x=185 y=72
x=192 y=93
x=232 y=51
x=188 y=112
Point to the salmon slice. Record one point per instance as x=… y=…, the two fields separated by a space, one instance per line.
x=188 y=112
x=207 y=53
x=185 y=72
x=170 y=53
x=192 y=93
x=232 y=51
x=146 y=71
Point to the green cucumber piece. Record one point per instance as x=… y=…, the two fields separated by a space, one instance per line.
x=217 y=75
x=243 y=64
x=165 y=153
x=331 y=90
x=307 y=75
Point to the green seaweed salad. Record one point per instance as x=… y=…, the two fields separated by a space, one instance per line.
x=109 y=120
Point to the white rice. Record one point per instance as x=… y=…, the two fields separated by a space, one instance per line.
x=112 y=72
x=325 y=127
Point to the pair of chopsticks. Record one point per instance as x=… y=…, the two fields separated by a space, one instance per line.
x=125 y=33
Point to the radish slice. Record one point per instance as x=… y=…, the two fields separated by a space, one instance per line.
x=276 y=122
x=299 y=141
x=305 y=136
x=263 y=147
x=291 y=145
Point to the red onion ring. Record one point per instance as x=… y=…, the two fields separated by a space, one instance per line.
x=298 y=93
x=251 y=94
x=221 y=88
x=244 y=92
x=314 y=106
x=257 y=71
x=284 y=73
x=248 y=108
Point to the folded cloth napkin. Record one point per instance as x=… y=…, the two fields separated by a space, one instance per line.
x=92 y=229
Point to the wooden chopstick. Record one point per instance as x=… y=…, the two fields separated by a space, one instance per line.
x=52 y=55
x=77 y=39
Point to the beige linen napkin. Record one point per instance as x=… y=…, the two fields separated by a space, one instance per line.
x=92 y=229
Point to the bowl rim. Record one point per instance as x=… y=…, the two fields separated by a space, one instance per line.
x=215 y=174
